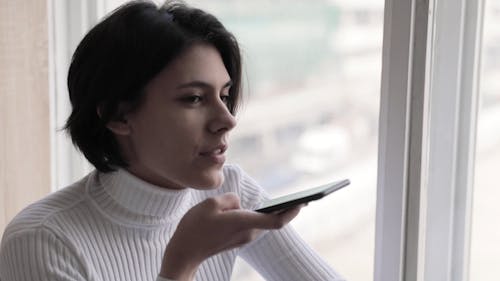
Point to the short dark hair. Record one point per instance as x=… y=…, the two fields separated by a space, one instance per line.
x=121 y=54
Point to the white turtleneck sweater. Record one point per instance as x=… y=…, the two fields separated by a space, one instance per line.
x=115 y=226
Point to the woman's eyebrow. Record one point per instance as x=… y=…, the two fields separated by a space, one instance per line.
x=202 y=84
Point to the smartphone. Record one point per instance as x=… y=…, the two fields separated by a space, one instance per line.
x=301 y=197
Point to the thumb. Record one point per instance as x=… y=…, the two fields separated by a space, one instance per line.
x=227 y=201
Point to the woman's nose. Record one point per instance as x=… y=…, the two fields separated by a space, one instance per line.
x=222 y=120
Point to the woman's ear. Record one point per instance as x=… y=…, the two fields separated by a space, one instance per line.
x=118 y=126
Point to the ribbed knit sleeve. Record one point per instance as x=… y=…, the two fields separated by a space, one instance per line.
x=283 y=255
x=280 y=255
x=38 y=254
x=163 y=279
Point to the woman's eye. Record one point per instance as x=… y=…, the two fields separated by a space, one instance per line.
x=225 y=99
x=192 y=99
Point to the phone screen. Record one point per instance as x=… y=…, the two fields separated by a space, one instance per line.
x=301 y=197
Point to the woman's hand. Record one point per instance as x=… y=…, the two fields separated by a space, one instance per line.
x=215 y=225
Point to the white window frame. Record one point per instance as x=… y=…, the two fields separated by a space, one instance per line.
x=428 y=117
x=427 y=123
x=73 y=19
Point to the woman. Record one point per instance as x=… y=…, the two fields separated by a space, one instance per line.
x=154 y=92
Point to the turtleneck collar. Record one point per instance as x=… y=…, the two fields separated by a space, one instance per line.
x=132 y=200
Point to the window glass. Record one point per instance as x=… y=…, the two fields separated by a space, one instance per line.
x=485 y=238
x=312 y=74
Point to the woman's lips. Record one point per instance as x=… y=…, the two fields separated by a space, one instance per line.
x=216 y=154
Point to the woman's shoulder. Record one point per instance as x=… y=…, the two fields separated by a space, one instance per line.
x=35 y=215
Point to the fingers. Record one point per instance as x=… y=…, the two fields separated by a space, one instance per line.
x=290 y=214
x=224 y=225
x=232 y=214
x=254 y=220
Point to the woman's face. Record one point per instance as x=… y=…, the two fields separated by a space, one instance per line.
x=177 y=138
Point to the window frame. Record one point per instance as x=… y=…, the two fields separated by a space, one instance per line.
x=73 y=19
x=428 y=117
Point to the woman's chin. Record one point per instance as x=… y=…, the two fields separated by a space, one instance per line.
x=212 y=181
